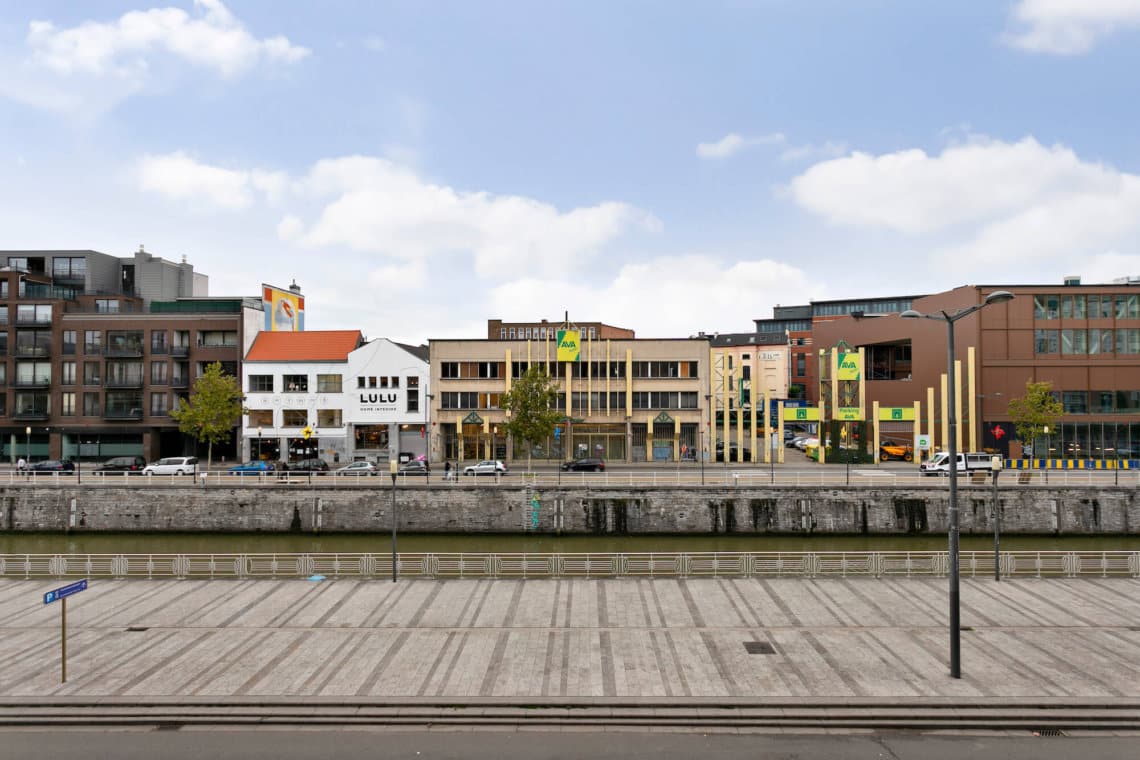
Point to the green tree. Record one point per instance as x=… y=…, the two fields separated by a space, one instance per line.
x=1035 y=411
x=531 y=402
x=213 y=409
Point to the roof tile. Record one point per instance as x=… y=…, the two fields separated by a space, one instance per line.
x=304 y=346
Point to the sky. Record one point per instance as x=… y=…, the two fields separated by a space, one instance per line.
x=420 y=167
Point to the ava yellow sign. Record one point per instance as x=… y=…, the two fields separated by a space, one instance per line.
x=801 y=414
x=896 y=414
x=849 y=367
x=569 y=345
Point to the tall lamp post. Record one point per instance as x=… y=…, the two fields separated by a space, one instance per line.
x=995 y=466
x=704 y=453
x=259 y=443
x=28 y=444
x=1045 y=461
x=393 y=467
x=950 y=317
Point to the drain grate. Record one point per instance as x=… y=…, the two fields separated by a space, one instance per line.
x=1049 y=732
x=137 y=628
x=759 y=647
x=1135 y=628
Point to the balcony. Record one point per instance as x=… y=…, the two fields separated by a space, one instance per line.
x=33 y=321
x=32 y=352
x=182 y=351
x=31 y=415
x=31 y=382
x=124 y=382
x=123 y=413
x=180 y=381
x=124 y=351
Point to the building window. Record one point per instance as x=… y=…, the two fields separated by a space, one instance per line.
x=1100 y=307
x=67 y=404
x=92 y=373
x=261 y=418
x=511 y=333
x=158 y=404
x=360 y=382
x=1074 y=342
x=1128 y=340
x=801 y=365
x=158 y=342
x=36 y=314
x=261 y=383
x=372 y=437
x=1075 y=402
x=33 y=373
x=107 y=305
x=328 y=384
x=1046 y=342
x=1127 y=307
x=69 y=338
x=542 y=333
x=68 y=267
x=90 y=404
x=502 y=333
x=159 y=373
x=294 y=417
x=413 y=400
x=67 y=373
x=1073 y=307
x=593 y=333
x=217 y=338
x=449 y=370
x=92 y=342
x=1127 y=402
x=329 y=418
x=295 y=383
x=1045 y=307
x=1102 y=402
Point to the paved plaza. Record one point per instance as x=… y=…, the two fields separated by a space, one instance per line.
x=472 y=640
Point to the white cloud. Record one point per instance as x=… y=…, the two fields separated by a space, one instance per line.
x=180 y=177
x=996 y=210
x=733 y=143
x=375 y=43
x=90 y=67
x=723 y=298
x=1069 y=27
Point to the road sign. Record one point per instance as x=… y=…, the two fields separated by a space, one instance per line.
x=65 y=591
x=557 y=433
x=923 y=441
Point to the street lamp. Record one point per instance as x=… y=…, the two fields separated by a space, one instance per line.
x=950 y=317
x=393 y=467
x=259 y=443
x=28 y=444
x=708 y=398
x=1045 y=461
x=995 y=465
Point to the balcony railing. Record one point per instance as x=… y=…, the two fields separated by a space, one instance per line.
x=31 y=414
x=124 y=382
x=182 y=381
x=22 y=321
x=180 y=350
x=131 y=350
x=122 y=413
x=31 y=382
x=32 y=352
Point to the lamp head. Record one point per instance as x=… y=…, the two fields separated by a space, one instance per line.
x=393 y=466
x=999 y=296
x=910 y=314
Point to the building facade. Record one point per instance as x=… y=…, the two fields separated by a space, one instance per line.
x=96 y=351
x=329 y=395
x=497 y=329
x=623 y=400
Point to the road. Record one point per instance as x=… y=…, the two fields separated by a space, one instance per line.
x=345 y=744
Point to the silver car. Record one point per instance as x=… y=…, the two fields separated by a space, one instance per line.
x=486 y=467
x=358 y=468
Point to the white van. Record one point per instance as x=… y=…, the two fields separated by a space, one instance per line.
x=172 y=466
x=939 y=464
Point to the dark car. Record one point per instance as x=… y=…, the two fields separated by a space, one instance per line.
x=305 y=466
x=735 y=454
x=51 y=465
x=585 y=464
x=415 y=467
x=122 y=464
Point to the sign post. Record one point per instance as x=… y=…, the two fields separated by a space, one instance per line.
x=60 y=595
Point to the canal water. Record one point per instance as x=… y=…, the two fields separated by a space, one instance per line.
x=249 y=543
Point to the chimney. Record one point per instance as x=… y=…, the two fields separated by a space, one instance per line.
x=294 y=287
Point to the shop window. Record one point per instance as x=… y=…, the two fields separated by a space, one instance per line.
x=329 y=418
x=328 y=383
x=295 y=383
x=262 y=418
x=294 y=417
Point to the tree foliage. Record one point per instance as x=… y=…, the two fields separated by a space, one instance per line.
x=1035 y=411
x=531 y=402
x=213 y=409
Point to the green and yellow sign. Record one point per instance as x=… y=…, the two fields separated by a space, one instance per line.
x=848 y=413
x=801 y=414
x=896 y=414
x=849 y=367
x=569 y=345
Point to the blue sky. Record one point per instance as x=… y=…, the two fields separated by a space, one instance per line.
x=419 y=167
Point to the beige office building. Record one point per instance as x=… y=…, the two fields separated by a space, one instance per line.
x=623 y=400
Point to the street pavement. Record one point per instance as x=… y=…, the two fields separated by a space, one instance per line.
x=554 y=641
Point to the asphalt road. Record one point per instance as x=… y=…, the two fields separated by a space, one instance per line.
x=345 y=744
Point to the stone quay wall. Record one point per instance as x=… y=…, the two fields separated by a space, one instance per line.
x=605 y=510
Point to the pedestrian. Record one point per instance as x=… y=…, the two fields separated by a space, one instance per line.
x=21 y=464
x=447 y=470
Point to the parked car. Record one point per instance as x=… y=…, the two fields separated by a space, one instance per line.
x=51 y=465
x=735 y=454
x=358 y=468
x=122 y=464
x=256 y=465
x=306 y=466
x=486 y=467
x=415 y=467
x=585 y=464
x=172 y=466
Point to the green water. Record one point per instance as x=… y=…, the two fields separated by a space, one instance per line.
x=206 y=543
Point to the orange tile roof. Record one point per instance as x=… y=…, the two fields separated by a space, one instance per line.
x=304 y=346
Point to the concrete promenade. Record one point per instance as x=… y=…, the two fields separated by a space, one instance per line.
x=677 y=641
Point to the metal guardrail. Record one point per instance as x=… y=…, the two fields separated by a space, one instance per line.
x=719 y=478
x=1036 y=564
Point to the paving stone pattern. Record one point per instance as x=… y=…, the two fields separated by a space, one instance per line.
x=579 y=638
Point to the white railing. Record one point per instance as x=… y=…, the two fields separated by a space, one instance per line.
x=441 y=565
x=714 y=477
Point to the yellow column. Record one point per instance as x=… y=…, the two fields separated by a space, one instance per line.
x=487 y=453
x=459 y=437
x=914 y=443
x=629 y=383
x=875 y=424
x=930 y=417
x=649 y=438
x=972 y=397
x=780 y=432
x=958 y=403
x=608 y=373
x=508 y=359
x=676 y=439
x=738 y=373
x=944 y=436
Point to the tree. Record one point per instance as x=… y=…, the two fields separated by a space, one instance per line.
x=531 y=402
x=213 y=409
x=1035 y=411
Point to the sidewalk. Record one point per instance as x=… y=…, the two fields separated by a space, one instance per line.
x=665 y=641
